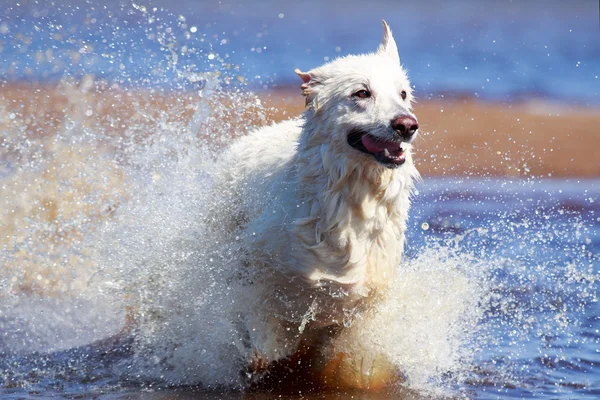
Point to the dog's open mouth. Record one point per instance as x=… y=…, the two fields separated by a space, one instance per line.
x=389 y=153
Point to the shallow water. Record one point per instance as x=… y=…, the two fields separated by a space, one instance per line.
x=105 y=198
x=542 y=239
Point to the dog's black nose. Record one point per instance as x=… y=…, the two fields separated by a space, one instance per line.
x=405 y=126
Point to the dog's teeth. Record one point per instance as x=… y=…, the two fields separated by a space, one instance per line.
x=386 y=152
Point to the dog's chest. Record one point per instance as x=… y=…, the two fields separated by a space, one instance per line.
x=362 y=250
x=376 y=236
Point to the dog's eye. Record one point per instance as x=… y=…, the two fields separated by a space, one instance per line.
x=362 y=94
x=403 y=95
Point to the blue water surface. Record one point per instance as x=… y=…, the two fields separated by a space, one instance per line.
x=544 y=316
x=493 y=50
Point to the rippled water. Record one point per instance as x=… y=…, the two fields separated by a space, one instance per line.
x=105 y=194
x=541 y=240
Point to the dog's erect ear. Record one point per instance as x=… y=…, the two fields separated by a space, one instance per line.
x=388 y=44
x=309 y=81
x=305 y=76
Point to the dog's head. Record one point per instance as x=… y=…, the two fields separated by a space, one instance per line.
x=363 y=104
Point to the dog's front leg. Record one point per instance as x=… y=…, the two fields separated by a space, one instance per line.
x=267 y=340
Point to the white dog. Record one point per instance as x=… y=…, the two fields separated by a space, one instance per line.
x=320 y=203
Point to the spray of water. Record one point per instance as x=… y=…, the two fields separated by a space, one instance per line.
x=119 y=227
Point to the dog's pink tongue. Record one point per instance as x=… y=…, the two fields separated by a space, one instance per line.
x=376 y=146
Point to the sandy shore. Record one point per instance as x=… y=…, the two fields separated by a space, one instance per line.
x=458 y=136
x=466 y=136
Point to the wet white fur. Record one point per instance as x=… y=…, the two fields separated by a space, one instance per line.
x=321 y=224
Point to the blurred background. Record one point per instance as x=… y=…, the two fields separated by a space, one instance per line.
x=503 y=87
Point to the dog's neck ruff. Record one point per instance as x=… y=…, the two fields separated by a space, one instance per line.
x=354 y=236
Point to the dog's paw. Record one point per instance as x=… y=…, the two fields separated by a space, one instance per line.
x=346 y=371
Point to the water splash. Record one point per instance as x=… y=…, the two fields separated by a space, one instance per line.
x=136 y=206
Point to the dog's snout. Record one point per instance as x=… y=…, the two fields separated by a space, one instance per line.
x=405 y=126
